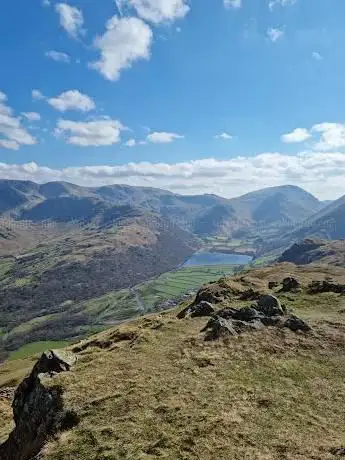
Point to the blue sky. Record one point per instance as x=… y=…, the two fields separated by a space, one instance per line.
x=221 y=96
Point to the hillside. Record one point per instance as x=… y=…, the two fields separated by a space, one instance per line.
x=154 y=388
x=43 y=290
x=328 y=223
x=316 y=250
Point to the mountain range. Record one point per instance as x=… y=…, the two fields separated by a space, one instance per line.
x=65 y=248
x=206 y=214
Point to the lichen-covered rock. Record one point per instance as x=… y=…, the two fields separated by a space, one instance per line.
x=269 y=305
x=38 y=410
x=290 y=284
x=250 y=294
x=199 y=310
x=218 y=328
x=317 y=287
x=297 y=324
x=273 y=284
x=53 y=362
x=247 y=314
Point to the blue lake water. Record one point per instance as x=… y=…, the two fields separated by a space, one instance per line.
x=217 y=258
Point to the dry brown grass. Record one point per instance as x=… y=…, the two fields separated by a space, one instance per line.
x=154 y=389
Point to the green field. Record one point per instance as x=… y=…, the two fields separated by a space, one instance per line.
x=35 y=348
x=176 y=283
x=118 y=306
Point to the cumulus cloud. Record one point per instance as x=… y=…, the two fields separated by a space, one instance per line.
x=71 y=19
x=12 y=133
x=233 y=3
x=224 y=136
x=317 y=56
x=156 y=11
x=274 y=34
x=332 y=136
x=32 y=116
x=91 y=133
x=37 y=95
x=58 y=56
x=318 y=172
x=72 y=100
x=297 y=135
x=163 y=137
x=131 y=143
x=273 y=3
x=125 y=41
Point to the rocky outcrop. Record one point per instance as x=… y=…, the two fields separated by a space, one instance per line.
x=38 y=410
x=268 y=312
x=302 y=253
x=269 y=305
x=317 y=287
x=197 y=310
x=290 y=284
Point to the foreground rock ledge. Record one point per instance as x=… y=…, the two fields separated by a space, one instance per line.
x=38 y=410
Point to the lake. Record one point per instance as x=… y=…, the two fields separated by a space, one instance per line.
x=217 y=258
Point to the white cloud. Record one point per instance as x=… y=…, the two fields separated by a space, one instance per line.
x=37 y=95
x=317 y=56
x=163 y=137
x=318 y=172
x=233 y=3
x=72 y=100
x=273 y=3
x=224 y=136
x=92 y=133
x=156 y=11
x=46 y=3
x=9 y=145
x=275 y=34
x=332 y=136
x=71 y=19
x=12 y=133
x=131 y=143
x=58 y=56
x=125 y=41
x=297 y=135
x=32 y=116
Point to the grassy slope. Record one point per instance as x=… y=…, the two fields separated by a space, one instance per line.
x=267 y=396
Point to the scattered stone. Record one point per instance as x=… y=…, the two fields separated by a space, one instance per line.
x=227 y=313
x=338 y=452
x=273 y=284
x=217 y=328
x=269 y=305
x=317 y=287
x=250 y=294
x=290 y=284
x=297 y=324
x=246 y=326
x=276 y=321
x=214 y=293
x=247 y=314
x=203 y=308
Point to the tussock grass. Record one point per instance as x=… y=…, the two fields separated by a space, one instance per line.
x=152 y=388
